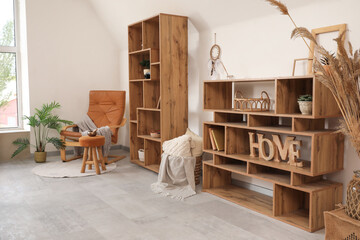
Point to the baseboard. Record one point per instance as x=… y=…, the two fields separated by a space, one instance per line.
x=68 y=152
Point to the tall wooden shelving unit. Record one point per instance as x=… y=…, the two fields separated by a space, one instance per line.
x=162 y=39
x=300 y=194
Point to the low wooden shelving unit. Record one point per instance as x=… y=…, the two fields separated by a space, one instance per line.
x=300 y=194
x=163 y=40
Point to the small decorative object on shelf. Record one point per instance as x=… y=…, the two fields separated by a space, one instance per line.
x=305 y=104
x=141 y=155
x=92 y=134
x=215 y=65
x=277 y=150
x=155 y=134
x=353 y=197
x=261 y=104
x=146 y=65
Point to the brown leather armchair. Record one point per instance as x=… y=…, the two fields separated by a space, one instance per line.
x=106 y=108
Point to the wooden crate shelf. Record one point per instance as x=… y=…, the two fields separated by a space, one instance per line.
x=293 y=205
x=300 y=194
x=287 y=90
x=161 y=39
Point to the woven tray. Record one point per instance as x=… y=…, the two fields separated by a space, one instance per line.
x=197 y=171
x=261 y=104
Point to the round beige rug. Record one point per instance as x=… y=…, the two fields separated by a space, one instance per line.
x=71 y=169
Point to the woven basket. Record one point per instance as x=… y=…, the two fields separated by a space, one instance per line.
x=251 y=104
x=352 y=208
x=197 y=171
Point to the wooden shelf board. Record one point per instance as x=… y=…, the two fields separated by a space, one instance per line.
x=274 y=129
x=242 y=80
x=133 y=121
x=149 y=109
x=256 y=201
x=258 y=79
x=148 y=137
x=282 y=166
x=298 y=218
x=267 y=113
x=235 y=168
x=275 y=178
x=155 y=63
x=143 y=80
x=154 y=167
x=241 y=169
x=296 y=77
x=317 y=186
x=140 y=51
x=228 y=124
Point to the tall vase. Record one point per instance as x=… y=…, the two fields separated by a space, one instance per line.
x=353 y=197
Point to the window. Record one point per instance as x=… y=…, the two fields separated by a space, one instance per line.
x=10 y=110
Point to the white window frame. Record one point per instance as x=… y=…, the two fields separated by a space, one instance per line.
x=17 y=52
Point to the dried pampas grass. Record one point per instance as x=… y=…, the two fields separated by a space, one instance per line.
x=282 y=8
x=341 y=77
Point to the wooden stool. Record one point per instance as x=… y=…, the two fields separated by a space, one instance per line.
x=90 y=145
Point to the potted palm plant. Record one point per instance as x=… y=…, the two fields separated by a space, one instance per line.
x=41 y=123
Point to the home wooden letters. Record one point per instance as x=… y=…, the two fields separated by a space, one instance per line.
x=277 y=150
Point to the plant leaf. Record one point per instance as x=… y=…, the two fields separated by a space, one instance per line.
x=23 y=143
x=57 y=142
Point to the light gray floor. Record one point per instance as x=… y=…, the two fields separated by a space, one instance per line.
x=120 y=205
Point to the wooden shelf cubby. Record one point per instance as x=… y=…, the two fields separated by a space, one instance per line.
x=300 y=194
x=161 y=39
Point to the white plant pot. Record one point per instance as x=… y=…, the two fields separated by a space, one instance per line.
x=305 y=107
x=147 y=73
x=141 y=155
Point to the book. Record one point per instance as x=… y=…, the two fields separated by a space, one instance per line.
x=213 y=146
x=218 y=135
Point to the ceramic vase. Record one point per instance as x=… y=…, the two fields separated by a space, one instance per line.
x=305 y=107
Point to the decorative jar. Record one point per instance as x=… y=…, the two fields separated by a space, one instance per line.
x=352 y=207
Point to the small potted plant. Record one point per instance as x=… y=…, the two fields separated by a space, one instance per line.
x=146 y=65
x=305 y=104
x=41 y=123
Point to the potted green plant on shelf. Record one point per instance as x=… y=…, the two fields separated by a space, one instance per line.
x=305 y=104
x=146 y=65
x=41 y=123
x=341 y=76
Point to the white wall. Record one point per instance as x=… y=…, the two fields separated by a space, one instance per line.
x=69 y=52
x=259 y=47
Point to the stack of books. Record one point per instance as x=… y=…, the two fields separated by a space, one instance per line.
x=217 y=139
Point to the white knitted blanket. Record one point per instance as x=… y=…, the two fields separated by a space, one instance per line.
x=87 y=125
x=176 y=177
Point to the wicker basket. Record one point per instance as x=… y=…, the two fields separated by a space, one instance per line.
x=251 y=104
x=198 y=168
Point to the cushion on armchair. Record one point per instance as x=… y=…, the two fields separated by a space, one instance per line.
x=106 y=108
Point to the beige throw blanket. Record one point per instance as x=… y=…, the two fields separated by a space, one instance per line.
x=87 y=125
x=176 y=177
